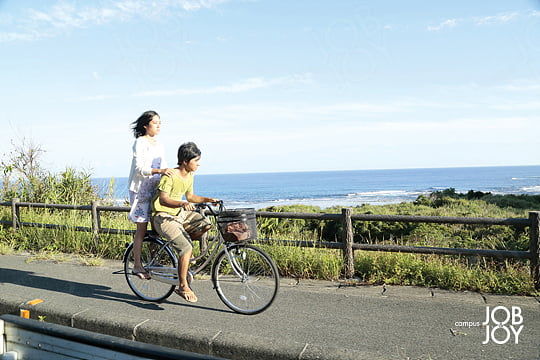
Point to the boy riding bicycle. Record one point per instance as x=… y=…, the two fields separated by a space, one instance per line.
x=175 y=219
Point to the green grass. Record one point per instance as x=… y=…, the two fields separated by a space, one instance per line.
x=447 y=272
x=435 y=271
x=38 y=239
x=304 y=262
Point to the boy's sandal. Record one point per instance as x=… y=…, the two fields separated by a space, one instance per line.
x=189 y=295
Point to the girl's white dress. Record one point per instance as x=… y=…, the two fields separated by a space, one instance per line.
x=142 y=184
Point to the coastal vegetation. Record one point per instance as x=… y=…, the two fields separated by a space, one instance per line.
x=511 y=276
x=23 y=178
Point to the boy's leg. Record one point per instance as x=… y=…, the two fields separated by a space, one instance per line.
x=183 y=288
x=200 y=233
x=171 y=227
x=196 y=224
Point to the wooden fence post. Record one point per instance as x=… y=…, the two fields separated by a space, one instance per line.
x=534 y=247
x=348 y=253
x=15 y=214
x=96 y=222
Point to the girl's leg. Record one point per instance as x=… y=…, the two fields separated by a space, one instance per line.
x=137 y=249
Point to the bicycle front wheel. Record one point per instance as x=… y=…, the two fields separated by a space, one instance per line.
x=160 y=262
x=245 y=278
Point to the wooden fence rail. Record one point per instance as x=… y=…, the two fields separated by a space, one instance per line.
x=346 y=217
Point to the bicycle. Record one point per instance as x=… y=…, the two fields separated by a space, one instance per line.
x=245 y=278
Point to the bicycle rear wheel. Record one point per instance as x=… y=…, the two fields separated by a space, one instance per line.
x=160 y=264
x=246 y=279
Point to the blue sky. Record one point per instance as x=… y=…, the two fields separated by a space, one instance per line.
x=264 y=86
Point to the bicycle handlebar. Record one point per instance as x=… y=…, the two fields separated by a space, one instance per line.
x=205 y=205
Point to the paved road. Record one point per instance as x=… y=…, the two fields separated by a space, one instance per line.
x=309 y=319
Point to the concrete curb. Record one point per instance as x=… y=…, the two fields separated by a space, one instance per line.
x=204 y=341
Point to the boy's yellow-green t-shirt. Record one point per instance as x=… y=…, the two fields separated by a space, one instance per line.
x=176 y=187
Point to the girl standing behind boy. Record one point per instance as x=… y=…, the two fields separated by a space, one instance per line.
x=147 y=166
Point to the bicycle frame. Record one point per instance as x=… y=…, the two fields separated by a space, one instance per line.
x=244 y=277
x=235 y=266
x=169 y=275
x=216 y=244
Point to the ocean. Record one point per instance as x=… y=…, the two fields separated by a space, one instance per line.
x=352 y=188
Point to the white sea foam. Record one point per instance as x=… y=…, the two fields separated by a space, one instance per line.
x=531 y=189
x=385 y=193
x=352 y=199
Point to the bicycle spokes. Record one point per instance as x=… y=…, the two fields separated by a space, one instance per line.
x=160 y=262
x=245 y=278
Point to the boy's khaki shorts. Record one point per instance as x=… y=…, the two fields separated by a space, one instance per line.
x=177 y=228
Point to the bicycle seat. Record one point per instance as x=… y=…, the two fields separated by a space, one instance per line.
x=151 y=233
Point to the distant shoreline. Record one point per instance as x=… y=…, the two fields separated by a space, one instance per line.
x=350 y=188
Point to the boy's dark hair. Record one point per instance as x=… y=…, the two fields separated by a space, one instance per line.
x=187 y=152
x=141 y=122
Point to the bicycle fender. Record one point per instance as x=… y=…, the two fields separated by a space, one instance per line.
x=159 y=241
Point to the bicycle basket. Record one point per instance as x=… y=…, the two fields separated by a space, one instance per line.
x=237 y=224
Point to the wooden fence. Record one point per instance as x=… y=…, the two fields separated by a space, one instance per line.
x=346 y=217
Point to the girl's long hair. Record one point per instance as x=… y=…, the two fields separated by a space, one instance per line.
x=143 y=120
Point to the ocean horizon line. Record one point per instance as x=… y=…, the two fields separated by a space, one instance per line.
x=352 y=187
x=344 y=170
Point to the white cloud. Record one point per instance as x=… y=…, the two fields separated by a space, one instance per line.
x=450 y=23
x=496 y=19
x=531 y=105
x=502 y=18
x=92 y=98
x=14 y=36
x=381 y=107
x=64 y=15
x=236 y=87
x=520 y=86
x=454 y=131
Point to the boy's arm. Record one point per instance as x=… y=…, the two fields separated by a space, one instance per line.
x=165 y=200
x=191 y=197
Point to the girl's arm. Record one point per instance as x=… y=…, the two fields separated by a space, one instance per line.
x=143 y=161
x=164 y=171
x=140 y=156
